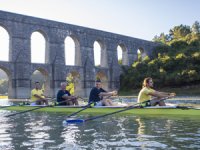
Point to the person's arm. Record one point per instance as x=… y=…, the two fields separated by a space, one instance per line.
x=113 y=93
x=40 y=95
x=68 y=96
x=167 y=94
x=158 y=94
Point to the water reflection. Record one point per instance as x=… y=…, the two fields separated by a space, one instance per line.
x=5 y=102
x=42 y=131
x=5 y=137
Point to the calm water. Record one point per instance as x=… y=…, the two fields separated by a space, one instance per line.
x=42 y=131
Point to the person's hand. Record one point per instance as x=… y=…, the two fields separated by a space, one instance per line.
x=172 y=94
x=114 y=93
x=73 y=97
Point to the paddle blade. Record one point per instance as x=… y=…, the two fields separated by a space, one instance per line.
x=73 y=121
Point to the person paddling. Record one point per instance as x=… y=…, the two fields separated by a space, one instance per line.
x=37 y=95
x=148 y=93
x=64 y=97
x=99 y=96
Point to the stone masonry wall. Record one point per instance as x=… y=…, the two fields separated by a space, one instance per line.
x=19 y=67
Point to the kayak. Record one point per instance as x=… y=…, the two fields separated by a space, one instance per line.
x=156 y=110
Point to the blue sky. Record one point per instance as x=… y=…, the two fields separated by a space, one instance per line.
x=137 y=18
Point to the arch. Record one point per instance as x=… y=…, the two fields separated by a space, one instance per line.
x=124 y=54
x=100 y=54
x=38 y=47
x=104 y=79
x=42 y=76
x=54 y=34
x=6 y=82
x=119 y=54
x=4 y=46
x=97 y=47
x=141 y=53
x=74 y=83
x=72 y=51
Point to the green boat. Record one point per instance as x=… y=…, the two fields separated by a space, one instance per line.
x=157 y=110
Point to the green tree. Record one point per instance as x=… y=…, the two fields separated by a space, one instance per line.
x=120 y=61
x=179 y=32
x=196 y=27
x=3 y=86
x=175 y=62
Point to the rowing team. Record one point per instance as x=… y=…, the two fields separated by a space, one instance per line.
x=100 y=97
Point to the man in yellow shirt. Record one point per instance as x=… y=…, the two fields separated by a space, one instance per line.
x=147 y=93
x=37 y=95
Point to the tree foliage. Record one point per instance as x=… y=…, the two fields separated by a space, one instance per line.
x=71 y=84
x=3 y=86
x=175 y=62
x=196 y=27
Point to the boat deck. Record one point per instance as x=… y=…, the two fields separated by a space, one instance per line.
x=169 y=110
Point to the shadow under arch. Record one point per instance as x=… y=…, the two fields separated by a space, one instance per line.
x=101 y=75
x=41 y=75
x=8 y=87
x=74 y=83
x=141 y=53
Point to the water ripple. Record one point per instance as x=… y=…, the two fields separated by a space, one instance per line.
x=41 y=131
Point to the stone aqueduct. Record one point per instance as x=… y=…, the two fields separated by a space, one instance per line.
x=19 y=67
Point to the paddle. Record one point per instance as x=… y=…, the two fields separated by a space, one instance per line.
x=76 y=121
x=39 y=107
x=85 y=107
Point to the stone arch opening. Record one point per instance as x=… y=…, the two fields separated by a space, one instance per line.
x=122 y=54
x=119 y=54
x=38 y=47
x=74 y=83
x=41 y=75
x=104 y=80
x=4 y=83
x=141 y=54
x=97 y=53
x=72 y=51
x=100 y=54
x=4 y=46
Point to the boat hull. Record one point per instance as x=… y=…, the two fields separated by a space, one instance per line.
x=104 y=110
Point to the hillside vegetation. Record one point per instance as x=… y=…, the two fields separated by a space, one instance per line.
x=174 y=63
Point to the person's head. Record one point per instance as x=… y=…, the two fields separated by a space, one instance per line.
x=98 y=84
x=37 y=85
x=63 y=85
x=148 y=82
